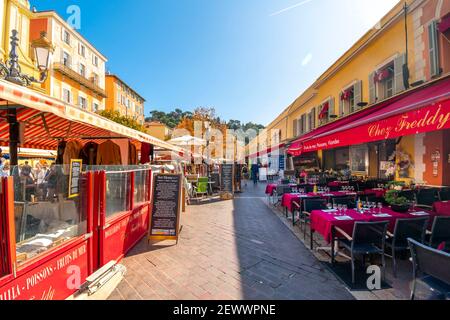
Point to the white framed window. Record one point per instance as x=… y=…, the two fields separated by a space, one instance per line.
x=67 y=95
x=95 y=107
x=83 y=70
x=66 y=36
x=82 y=102
x=82 y=50
x=66 y=59
x=95 y=60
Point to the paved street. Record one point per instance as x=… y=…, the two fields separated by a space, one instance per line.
x=229 y=250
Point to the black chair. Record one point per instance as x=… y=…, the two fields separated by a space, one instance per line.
x=335 y=188
x=431 y=267
x=368 y=238
x=408 y=194
x=307 y=187
x=440 y=233
x=309 y=205
x=426 y=198
x=405 y=228
x=280 y=191
x=373 y=198
x=350 y=202
x=285 y=181
x=444 y=195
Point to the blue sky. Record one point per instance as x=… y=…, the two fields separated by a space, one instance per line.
x=247 y=58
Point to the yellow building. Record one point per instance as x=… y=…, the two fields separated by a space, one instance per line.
x=158 y=130
x=77 y=74
x=386 y=62
x=122 y=98
x=16 y=15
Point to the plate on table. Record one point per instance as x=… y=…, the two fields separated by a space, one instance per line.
x=420 y=213
x=382 y=215
x=330 y=211
x=344 y=218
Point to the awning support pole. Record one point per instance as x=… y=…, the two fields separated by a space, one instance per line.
x=13 y=136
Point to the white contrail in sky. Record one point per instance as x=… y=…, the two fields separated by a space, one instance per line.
x=290 y=8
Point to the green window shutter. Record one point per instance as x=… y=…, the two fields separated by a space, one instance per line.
x=433 y=49
x=341 y=108
x=399 y=84
x=304 y=123
x=372 y=89
x=357 y=94
x=295 y=128
x=313 y=118
x=331 y=110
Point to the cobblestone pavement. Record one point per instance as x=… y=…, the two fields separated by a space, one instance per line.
x=235 y=249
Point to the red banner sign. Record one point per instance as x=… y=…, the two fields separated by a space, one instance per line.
x=431 y=118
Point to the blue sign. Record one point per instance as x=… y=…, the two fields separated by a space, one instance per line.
x=281 y=162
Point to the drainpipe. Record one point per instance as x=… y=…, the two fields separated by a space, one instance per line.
x=405 y=66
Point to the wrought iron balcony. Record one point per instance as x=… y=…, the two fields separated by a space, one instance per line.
x=72 y=74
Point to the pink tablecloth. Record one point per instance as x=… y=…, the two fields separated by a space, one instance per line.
x=270 y=188
x=323 y=222
x=338 y=183
x=442 y=208
x=379 y=193
x=288 y=198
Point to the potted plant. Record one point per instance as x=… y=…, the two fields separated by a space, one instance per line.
x=397 y=203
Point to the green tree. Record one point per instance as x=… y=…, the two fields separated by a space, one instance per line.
x=123 y=120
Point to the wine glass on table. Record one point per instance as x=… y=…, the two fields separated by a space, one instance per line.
x=380 y=207
x=340 y=209
x=345 y=208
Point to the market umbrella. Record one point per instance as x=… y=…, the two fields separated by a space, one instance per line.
x=187 y=141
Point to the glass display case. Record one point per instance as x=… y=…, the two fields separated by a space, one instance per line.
x=45 y=217
x=141 y=187
x=118 y=188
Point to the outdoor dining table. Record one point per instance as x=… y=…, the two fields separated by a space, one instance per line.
x=377 y=192
x=271 y=187
x=338 y=183
x=288 y=198
x=442 y=208
x=324 y=222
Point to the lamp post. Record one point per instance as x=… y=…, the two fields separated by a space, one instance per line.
x=11 y=71
x=207 y=136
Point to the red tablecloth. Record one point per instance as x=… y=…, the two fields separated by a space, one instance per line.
x=270 y=188
x=288 y=198
x=338 y=183
x=379 y=193
x=323 y=222
x=442 y=208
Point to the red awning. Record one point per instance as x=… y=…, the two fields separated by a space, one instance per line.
x=444 y=25
x=421 y=110
x=267 y=151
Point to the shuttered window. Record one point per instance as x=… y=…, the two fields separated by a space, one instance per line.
x=434 y=49
x=399 y=81
x=295 y=128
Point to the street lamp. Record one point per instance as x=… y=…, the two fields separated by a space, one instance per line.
x=43 y=51
x=11 y=71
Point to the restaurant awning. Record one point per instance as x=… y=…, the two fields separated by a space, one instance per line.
x=46 y=120
x=267 y=151
x=419 y=110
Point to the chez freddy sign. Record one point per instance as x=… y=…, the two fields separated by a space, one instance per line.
x=431 y=118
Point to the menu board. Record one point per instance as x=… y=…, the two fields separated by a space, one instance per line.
x=226 y=178
x=166 y=206
x=74 y=179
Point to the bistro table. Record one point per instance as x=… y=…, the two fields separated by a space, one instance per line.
x=288 y=198
x=271 y=187
x=442 y=208
x=377 y=192
x=338 y=183
x=325 y=221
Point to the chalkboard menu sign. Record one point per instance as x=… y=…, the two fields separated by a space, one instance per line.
x=166 y=207
x=226 y=178
x=74 y=178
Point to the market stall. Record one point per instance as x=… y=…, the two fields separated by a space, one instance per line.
x=83 y=215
